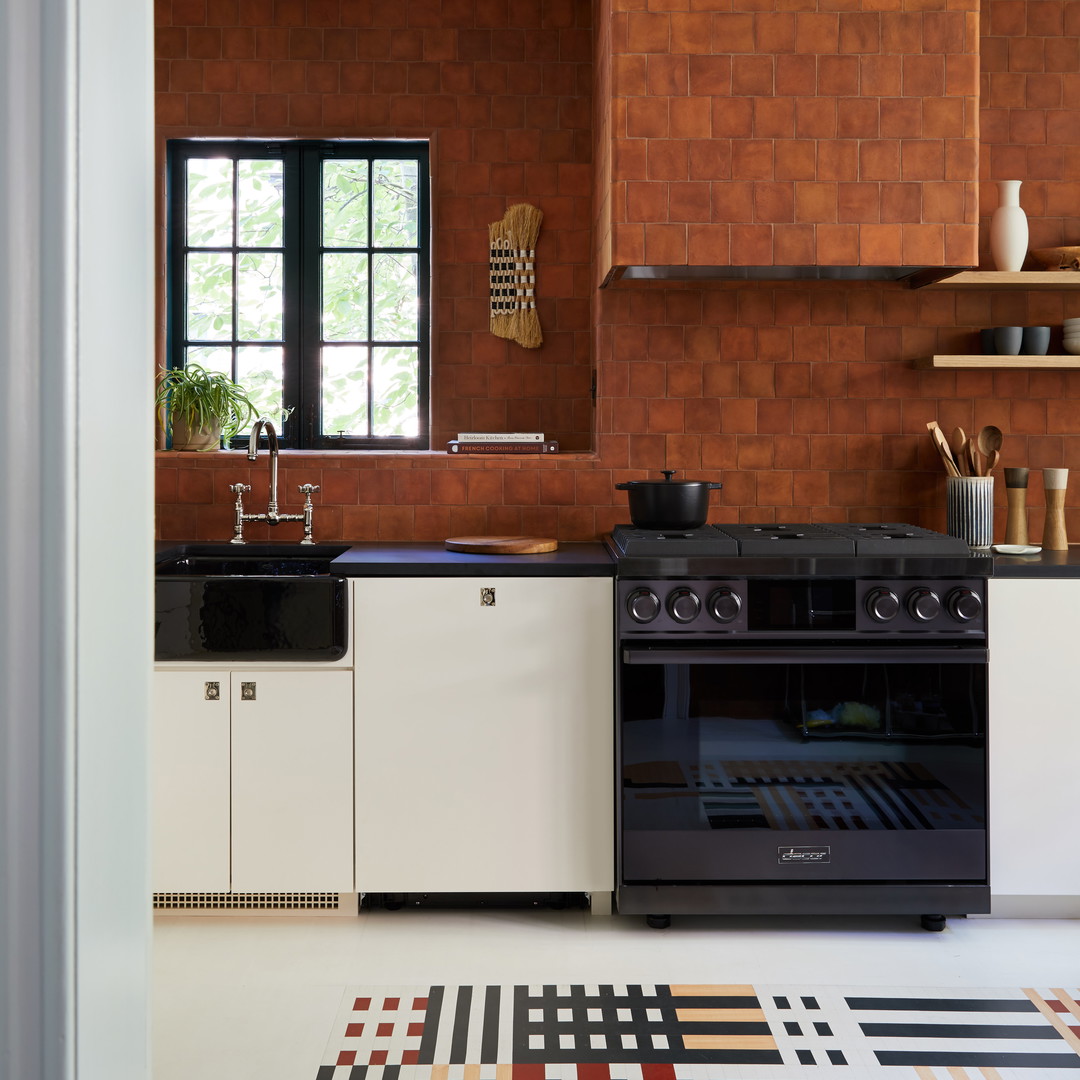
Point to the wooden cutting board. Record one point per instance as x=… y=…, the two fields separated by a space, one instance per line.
x=501 y=545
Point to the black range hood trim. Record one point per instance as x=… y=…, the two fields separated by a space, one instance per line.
x=915 y=276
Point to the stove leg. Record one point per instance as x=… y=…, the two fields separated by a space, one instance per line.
x=658 y=922
x=933 y=923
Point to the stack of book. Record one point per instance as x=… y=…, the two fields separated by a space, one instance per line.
x=501 y=442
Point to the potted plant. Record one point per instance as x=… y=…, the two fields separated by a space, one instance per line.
x=199 y=408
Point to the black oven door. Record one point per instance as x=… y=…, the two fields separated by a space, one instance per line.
x=795 y=764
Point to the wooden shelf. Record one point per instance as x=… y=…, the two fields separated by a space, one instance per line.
x=1009 y=279
x=1056 y=362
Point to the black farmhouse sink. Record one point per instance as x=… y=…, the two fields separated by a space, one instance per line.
x=271 y=603
x=245 y=566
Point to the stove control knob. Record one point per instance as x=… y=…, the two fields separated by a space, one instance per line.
x=643 y=605
x=882 y=604
x=683 y=605
x=923 y=604
x=724 y=605
x=964 y=604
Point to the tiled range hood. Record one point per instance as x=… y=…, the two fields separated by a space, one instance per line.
x=786 y=138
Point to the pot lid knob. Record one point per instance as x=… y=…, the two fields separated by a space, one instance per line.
x=668 y=473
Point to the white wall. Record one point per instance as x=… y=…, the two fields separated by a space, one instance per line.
x=76 y=314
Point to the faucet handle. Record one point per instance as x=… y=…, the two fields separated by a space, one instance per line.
x=307 y=489
x=238 y=489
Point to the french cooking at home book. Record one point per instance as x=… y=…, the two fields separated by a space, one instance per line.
x=457 y=446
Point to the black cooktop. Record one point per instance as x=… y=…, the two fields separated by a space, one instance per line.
x=786 y=540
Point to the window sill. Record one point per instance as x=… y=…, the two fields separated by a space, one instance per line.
x=427 y=457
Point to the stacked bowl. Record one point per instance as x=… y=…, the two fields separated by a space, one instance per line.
x=1072 y=336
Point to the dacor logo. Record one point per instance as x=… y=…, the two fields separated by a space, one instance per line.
x=803 y=854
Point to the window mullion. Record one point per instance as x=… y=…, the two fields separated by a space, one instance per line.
x=296 y=300
x=235 y=265
x=423 y=314
x=176 y=259
x=371 y=300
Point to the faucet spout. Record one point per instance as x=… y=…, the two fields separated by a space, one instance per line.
x=253 y=452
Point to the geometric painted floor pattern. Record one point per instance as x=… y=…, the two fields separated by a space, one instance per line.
x=693 y=1032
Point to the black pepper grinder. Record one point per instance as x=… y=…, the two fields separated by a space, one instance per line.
x=1016 y=529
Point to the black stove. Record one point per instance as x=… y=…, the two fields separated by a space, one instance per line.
x=797 y=704
x=886 y=578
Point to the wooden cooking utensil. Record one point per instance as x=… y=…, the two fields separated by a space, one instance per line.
x=972 y=456
x=956 y=444
x=501 y=545
x=992 y=460
x=990 y=439
x=943 y=447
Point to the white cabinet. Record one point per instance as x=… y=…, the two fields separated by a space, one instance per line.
x=484 y=741
x=1034 y=744
x=190 y=781
x=252 y=781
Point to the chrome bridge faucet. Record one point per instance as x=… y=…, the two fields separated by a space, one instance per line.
x=272 y=515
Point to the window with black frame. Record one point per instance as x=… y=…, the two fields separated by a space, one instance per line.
x=302 y=270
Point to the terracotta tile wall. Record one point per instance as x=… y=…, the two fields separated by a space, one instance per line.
x=801 y=399
x=1030 y=115
x=502 y=89
x=761 y=132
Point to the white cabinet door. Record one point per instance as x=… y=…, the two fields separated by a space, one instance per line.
x=484 y=735
x=292 y=808
x=1034 y=735
x=190 y=781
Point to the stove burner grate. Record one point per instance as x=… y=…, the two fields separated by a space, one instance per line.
x=788 y=539
x=706 y=540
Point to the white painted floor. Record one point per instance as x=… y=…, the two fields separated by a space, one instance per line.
x=255 y=998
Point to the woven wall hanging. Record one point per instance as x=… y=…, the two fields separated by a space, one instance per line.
x=513 y=275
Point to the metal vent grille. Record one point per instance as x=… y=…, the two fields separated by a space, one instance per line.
x=228 y=901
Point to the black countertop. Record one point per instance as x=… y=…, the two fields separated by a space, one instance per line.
x=376 y=559
x=570 y=559
x=1047 y=564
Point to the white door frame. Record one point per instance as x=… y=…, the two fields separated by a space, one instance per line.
x=76 y=527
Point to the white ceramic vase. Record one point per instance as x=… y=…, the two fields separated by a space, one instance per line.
x=1008 y=228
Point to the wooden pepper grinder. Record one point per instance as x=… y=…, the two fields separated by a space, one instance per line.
x=1055 y=481
x=1016 y=526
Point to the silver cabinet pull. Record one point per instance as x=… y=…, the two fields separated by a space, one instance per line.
x=247 y=691
x=212 y=691
x=487 y=597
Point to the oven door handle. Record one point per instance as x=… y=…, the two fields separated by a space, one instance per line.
x=812 y=655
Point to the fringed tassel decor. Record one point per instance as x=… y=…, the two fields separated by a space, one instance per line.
x=513 y=275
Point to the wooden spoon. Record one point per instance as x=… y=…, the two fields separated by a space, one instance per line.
x=972 y=457
x=957 y=442
x=992 y=460
x=990 y=439
x=943 y=447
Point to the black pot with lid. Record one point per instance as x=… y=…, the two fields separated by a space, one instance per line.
x=667 y=503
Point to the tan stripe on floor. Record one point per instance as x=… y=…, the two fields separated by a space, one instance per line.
x=957 y=1073
x=729 y=1042
x=705 y=1016
x=924 y=1072
x=712 y=991
x=1067 y=1000
x=989 y=1073
x=1055 y=1018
